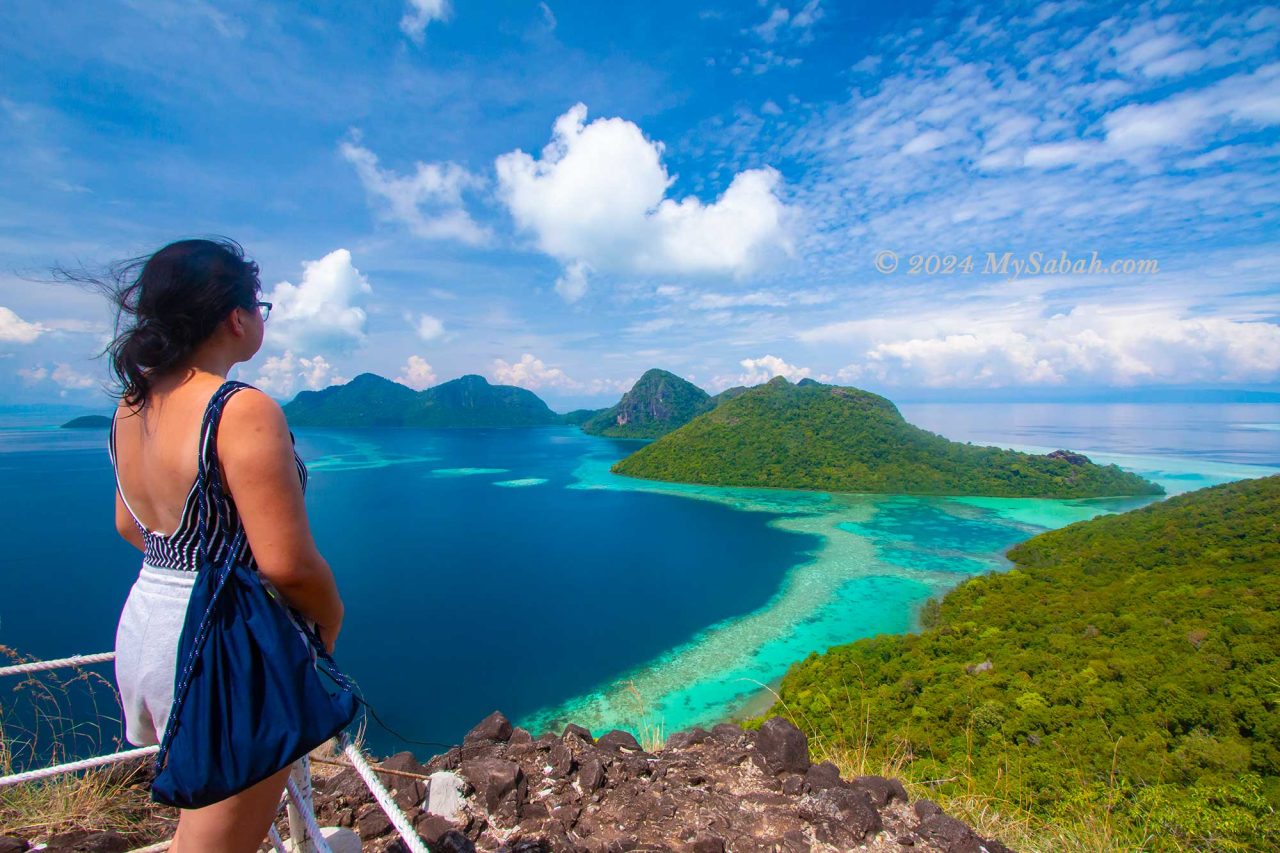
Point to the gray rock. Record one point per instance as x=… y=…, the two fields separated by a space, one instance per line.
x=561 y=761
x=85 y=841
x=686 y=738
x=727 y=733
x=494 y=727
x=493 y=779
x=783 y=746
x=372 y=823
x=948 y=833
x=840 y=815
x=925 y=808
x=824 y=775
x=707 y=844
x=444 y=795
x=580 y=731
x=619 y=739
x=453 y=842
x=881 y=790
x=591 y=775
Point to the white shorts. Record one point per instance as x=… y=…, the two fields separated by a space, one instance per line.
x=147 y=650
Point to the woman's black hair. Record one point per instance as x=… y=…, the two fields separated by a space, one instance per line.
x=167 y=304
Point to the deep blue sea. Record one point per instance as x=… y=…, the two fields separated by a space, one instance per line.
x=508 y=569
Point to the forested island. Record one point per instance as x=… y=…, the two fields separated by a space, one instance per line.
x=833 y=438
x=370 y=400
x=1126 y=671
x=88 y=422
x=657 y=403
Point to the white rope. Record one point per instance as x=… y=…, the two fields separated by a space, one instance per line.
x=306 y=809
x=380 y=793
x=304 y=805
x=72 y=767
x=75 y=660
x=276 y=842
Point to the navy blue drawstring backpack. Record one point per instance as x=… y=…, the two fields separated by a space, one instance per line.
x=255 y=690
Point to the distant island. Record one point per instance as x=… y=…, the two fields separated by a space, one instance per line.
x=658 y=403
x=88 y=422
x=833 y=438
x=1124 y=673
x=803 y=436
x=370 y=400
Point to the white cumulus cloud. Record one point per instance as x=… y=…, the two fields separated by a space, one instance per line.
x=598 y=195
x=15 y=330
x=416 y=373
x=768 y=366
x=281 y=375
x=71 y=379
x=572 y=284
x=427 y=326
x=529 y=372
x=320 y=312
x=427 y=202
x=419 y=14
x=1118 y=346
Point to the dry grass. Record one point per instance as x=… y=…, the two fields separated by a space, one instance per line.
x=651 y=735
x=110 y=798
x=48 y=733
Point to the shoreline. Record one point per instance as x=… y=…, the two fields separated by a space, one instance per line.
x=756 y=704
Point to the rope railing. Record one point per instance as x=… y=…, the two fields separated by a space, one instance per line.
x=41 y=665
x=306 y=838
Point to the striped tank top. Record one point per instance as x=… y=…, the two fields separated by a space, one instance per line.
x=180 y=550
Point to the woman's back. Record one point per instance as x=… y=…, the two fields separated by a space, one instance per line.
x=156 y=451
x=156 y=448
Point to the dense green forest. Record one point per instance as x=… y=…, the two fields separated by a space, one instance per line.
x=832 y=438
x=370 y=400
x=1128 y=664
x=659 y=402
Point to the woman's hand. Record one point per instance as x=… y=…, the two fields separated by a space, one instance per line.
x=329 y=635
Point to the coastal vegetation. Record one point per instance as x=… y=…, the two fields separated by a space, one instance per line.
x=1122 y=681
x=370 y=400
x=834 y=438
x=658 y=403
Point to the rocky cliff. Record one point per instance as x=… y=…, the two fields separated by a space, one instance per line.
x=720 y=791
x=501 y=790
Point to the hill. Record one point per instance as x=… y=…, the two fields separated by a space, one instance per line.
x=832 y=438
x=370 y=400
x=658 y=403
x=88 y=422
x=1127 y=668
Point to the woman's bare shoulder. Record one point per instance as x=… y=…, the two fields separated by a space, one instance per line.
x=252 y=412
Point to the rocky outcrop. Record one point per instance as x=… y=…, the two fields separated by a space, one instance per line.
x=1070 y=456
x=501 y=790
x=720 y=791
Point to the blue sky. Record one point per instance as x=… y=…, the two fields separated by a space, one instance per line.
x=563 y=195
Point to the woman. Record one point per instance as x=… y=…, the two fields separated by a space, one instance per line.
x=195 y=313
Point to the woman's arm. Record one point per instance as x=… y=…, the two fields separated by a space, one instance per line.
x=260 y=475
x=125 y=525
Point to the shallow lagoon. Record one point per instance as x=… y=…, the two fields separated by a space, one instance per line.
x=509 y=569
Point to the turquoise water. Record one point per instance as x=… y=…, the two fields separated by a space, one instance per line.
x=509 y=569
